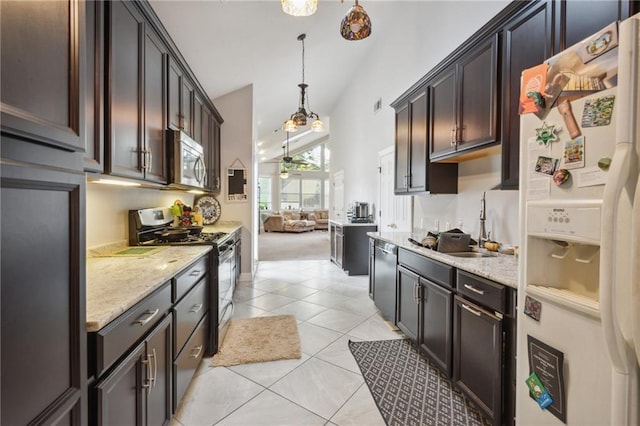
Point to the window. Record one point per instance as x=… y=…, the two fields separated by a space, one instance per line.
x=264 y=193
x=307 y=186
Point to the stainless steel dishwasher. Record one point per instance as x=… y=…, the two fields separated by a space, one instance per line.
x=384 y=291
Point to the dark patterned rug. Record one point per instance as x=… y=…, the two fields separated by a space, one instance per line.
x=408 y=389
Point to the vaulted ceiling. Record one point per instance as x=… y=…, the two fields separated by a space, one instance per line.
x=230 y=44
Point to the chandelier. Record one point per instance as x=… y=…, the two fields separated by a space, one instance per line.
x=299 y=7
x=299 y=118
x=356 y=24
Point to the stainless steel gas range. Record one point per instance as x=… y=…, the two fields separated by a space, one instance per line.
x=152 y=227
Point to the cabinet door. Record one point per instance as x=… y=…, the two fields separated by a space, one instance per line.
x=339 y=246
x=207 y=144
x=121 y=396
x=408 y=285
x=580 y=19
x=477 y=95
x=197 y=119
x=436 y=331
x=477 y=341
x=155 y=101
x=186 y=105
x=418 y=143
x=42 y=309
x=42 y=63
x=125 y=101
x=442 y=114
x=526 y=42
x=159 y=363
x=214 y=162
x=402 y=149
x=94 y=144
x=174 y=95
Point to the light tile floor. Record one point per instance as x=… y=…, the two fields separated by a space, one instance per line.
x=325 y=386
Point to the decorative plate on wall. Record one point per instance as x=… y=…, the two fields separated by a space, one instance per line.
x=210 y=209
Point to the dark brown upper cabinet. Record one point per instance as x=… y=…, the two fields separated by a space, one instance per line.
x=413 y=173
x=43 y=55
x=526 y=42
x=136 y=98
x=579 y=19
x=210 y=140
x=464 y=103
x=181 y=111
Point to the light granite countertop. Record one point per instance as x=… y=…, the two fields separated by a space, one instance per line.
x=116 y=283
x=502 y=269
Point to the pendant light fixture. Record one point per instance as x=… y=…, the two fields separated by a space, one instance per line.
x=299 y=7
x=299 y=118
x=356 y=24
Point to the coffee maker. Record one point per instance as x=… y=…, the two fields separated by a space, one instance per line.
x=360 y=212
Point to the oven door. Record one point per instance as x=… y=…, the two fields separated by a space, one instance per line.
x=226 y=287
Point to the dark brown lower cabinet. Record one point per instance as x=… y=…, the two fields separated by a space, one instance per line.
x=478 y=356
x=42 y=294
x=424 y=315
x=436 y=327
x=138 y=390
x=408 y=310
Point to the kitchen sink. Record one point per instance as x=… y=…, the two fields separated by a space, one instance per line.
x=472 y=254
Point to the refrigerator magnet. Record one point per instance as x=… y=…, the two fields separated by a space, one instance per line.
x=561 y=176
x=597 y=111
x=546 y=165
x=546 y=133
x=532 y=308
x=573 y=157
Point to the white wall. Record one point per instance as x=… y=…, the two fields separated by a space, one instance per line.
x=402 y=55
x=237 y=138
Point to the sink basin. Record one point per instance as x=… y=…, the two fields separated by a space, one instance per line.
x=472 y=254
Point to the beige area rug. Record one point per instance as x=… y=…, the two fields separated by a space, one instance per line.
x=259 y=339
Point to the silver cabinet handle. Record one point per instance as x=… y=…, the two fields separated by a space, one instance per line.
x=148 y=382
x=197 y=351
x=475 y=290
x=150 y=314
x=155 y=367
x=452 y=137
x=196 y=308
x=150 y=161
x=195 y=273
x=473 y=311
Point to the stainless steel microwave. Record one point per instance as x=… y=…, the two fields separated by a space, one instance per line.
x=187 y=164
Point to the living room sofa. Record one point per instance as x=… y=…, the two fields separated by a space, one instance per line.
x=288 y=222
x=321 y=218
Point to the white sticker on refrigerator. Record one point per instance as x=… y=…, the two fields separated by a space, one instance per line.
x=590 y=176
x=538 y=185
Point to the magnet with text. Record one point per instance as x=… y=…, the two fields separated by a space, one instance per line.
x=573 y=157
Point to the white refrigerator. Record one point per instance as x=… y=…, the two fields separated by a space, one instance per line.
x=579 y=266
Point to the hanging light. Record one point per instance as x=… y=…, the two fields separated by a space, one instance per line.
x=299 y=118
x=356 y=24
x=284 y=174
x=299 y=7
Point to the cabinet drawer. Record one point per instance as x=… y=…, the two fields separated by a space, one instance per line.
x=483 y=291
x=434 y=271
x=188 y=312
x=189 y=277
x=185 y=365
x=113 y=340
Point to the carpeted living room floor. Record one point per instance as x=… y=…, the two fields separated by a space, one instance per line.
x=312 y=245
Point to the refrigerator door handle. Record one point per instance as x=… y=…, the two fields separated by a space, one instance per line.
x=617 y=176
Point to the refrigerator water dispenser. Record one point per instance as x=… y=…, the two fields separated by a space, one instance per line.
x=563 y=242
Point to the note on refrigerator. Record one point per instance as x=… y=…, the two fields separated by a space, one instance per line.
x=538 y=185
x=591 y=176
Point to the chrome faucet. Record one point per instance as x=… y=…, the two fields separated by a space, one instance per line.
x=482 y=238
